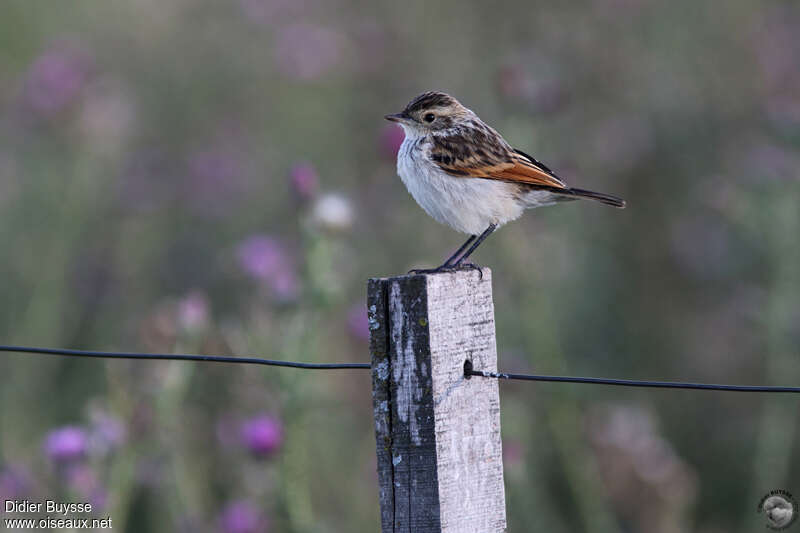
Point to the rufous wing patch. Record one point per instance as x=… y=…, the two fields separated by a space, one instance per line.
x=514 y=169
x=523 y=171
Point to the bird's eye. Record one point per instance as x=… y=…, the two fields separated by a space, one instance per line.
x=430 y=117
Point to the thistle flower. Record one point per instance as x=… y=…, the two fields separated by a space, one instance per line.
x=304 y=181
x=106 y=432
x=15 y=482
x=242 y=517
x=193 y=311
x=358 y=322
x=83 y=480
x=55 y=79
x=267 y=260
x=66 y=444
x=262 y=435
x=333 y=212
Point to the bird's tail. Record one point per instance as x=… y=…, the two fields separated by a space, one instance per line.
x=607 y=199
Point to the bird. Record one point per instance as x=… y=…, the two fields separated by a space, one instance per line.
x=466 y=176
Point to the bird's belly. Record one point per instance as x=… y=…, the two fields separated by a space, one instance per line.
x=468 y=205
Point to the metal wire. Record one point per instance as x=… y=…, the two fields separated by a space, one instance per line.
x=468 y=371
x=633 y=382
x=184 y=357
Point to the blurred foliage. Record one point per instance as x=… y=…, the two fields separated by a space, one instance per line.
x=217 y=177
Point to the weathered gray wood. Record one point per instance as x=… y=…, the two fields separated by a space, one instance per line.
x=437 y=433
x=379 y=348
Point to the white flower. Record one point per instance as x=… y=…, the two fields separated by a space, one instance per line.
x=333 y=212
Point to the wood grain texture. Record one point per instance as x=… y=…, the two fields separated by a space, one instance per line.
x=437 y=433
x=379 y=348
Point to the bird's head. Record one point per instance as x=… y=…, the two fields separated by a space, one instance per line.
x=430 y=112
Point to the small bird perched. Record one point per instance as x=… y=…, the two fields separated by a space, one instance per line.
x=465 y=175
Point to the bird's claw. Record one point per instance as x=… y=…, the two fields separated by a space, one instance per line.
x=437 y=270
x=448 y=268
x=471 y=266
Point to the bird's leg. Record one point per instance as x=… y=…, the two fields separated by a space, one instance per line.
x=458 y=252
x=460 y=262
x=452 y=264
x=447 y=265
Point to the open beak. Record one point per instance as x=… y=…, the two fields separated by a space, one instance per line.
x=397 y=117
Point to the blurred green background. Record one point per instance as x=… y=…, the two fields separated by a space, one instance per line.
x=216 y=177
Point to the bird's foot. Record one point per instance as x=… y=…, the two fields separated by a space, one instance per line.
x=448 y=268
x=437 y=270
x=469 y=266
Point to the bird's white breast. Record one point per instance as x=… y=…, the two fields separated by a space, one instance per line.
x=467 y=205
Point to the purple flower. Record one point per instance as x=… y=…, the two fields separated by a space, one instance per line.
x=391 y=138
x=304 y=181
x=106 y=433
x=262 y=435
x=15 y=482
x=261 y=256
x=66 y=444
x=242 y=517
x=193 y=311
x=266 y=259
x=358 y=322
x=84 y=481
x=307 y=51
x=55 y=79
x=81 y=478
x=284 y=285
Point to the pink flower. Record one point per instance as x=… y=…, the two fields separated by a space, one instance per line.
x=266 y=259
x=15 y=482
x=193 y=311
x=83 y=480
x=391 y=138
x=106 y=432
x=304 y=181
x=242 y=517
x=261 y=256
x=358 y=322
x=262 y=435
x=66 y=444
x=55 y=79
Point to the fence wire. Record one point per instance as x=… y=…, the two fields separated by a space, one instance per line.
x=468 y=370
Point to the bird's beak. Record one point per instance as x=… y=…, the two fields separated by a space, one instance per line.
x=397 y=117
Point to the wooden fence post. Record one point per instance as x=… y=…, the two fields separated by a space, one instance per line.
x=440 y=466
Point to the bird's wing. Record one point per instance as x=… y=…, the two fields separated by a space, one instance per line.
x=488 y=157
